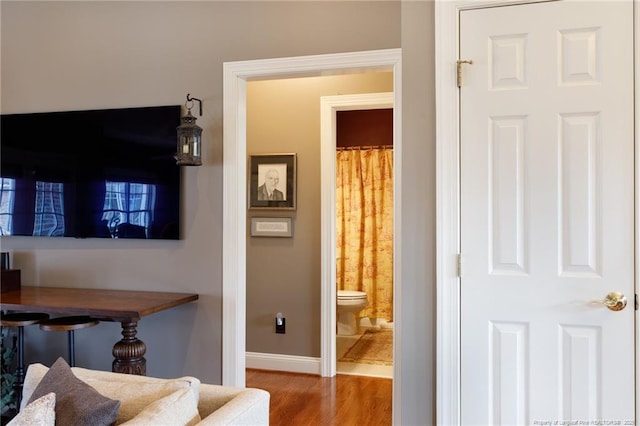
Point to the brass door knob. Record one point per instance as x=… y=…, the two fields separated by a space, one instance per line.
x=615 y=301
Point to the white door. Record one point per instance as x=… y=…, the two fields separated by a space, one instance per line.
x=547 y=213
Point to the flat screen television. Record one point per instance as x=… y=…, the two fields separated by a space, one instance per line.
x=107 y=173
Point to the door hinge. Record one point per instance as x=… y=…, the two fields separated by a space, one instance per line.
x=636 y=302
x=459 y=265
x=459 y=63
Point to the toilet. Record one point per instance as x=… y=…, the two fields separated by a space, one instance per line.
x=350 y=303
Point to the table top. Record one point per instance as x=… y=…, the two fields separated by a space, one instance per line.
x=117 y=305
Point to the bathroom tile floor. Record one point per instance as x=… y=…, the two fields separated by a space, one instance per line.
x=343 y=343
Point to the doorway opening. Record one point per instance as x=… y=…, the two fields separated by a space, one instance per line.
x=339 y=346
x=236 y=75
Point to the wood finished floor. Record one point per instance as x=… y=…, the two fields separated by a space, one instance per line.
x=310 y=400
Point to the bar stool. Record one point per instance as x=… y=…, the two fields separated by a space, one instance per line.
x=69 y=324
x=20 y=320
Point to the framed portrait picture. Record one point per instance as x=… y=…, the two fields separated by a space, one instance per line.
x=272 y=181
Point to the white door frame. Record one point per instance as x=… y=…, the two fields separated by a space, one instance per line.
x=447 y=199
x=329 y=105
x=234 y=212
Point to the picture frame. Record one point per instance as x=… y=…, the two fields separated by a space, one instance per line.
x=272 y=181
x=272 y=227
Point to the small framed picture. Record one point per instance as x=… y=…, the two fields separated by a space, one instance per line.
x=272 y=181
x=271 y=227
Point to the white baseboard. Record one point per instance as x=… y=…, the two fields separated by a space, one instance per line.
x=279 y=362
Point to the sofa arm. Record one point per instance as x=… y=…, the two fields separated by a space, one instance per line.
x=225 y=405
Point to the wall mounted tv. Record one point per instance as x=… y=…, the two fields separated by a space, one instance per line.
x=91 y=174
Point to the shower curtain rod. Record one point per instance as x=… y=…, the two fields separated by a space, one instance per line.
x=347 y=148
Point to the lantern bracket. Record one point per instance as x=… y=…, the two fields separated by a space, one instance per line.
x=189 y=103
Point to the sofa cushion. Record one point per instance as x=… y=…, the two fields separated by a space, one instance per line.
x=41 y=412
x=133 y=392
x=178 y=408
x=76 y=401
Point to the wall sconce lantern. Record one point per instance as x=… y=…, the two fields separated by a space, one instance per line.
x=189 y=137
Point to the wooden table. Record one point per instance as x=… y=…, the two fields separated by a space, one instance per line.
x=125 y=306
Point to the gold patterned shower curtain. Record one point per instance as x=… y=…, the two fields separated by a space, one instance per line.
x=364 y=226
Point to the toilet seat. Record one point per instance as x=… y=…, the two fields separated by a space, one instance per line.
x=351 y=295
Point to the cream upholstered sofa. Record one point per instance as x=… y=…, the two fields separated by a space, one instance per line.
x=148 y=400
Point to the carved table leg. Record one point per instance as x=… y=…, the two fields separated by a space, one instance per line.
x=129 y=352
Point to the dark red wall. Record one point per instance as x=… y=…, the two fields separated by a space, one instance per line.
x=364 y=127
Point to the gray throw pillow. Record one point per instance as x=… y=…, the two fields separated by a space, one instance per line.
x=77 y=403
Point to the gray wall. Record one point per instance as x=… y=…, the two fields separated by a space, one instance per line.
x=84 y=55
x=418 y=221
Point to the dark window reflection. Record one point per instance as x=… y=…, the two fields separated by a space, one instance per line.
x=129 y=206
x=7 y=203
x=48 y=220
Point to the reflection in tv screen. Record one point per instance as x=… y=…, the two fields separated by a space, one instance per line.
x=91 y=174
